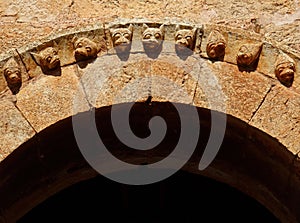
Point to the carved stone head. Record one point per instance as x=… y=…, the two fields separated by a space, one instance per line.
x=152 y=37
x=122 y=38
x=84 y=48
x=12 y=72
x=248 y=54
x=216 y=45
x=285 y=69
x=48 y=58
x=184 y=38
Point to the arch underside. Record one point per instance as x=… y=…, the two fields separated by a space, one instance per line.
x=248 y=160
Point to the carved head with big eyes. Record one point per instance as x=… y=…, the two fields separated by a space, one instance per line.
x=122 y=38
x=48 y=58
x=12 y=72
x=84 y=48
x=285 y=69
x=153 y=37
x=184 y=38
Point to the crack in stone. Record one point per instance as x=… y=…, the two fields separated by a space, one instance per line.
x=15 y=104
x=261 y=103
x=195 y=91
x=83 y=88
x=22 y=61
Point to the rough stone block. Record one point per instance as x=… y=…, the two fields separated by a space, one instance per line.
x=14 y=128
x=286 y=126
x=174 y=79
x=49 y=99
x=223 y=84
x=110 y=80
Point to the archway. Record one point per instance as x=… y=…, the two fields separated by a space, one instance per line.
x=259 y=153
x=51 y=161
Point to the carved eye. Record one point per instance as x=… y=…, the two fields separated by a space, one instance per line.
x=291 y=66
x=117 y=35
x=88 y=49
x=147 y=36
x=126 y=35
x=157 y=36
x=188 y=38
x=54 y=52
x=79 y=45
x=49 y=58
x=280 y=69
x=179 y=37
x=8 y=72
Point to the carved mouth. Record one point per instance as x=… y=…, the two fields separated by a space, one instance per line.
x=181 y=46
x=286 y=78
x=216 y=50
x=151 y=45
x=13 y=79
x=244 y=58
x=123 y=47
x=80 y=56
x=54 y=64
x=287 y=75
x=80 y=53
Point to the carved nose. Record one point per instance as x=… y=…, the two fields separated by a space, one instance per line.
x=289 y=73
x=14 y=78
x=183 y=42
x=123 y=40
x=220 y=47
x=80 y=52
x=244 y=56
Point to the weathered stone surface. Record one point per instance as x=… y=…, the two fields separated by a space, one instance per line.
x=277 y=19
x=243 y=92
x=110 y=80
x=14 y=128
x=49 y=99
x=286 y=126
x=174 y=79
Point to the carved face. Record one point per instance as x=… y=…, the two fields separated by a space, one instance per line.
x=184 y=38
x=285 y=73
x=216 y=45
x=85 y=48
x=12 y=75
x=248 y=54
x=48 y=58
x=152 y=37
x=244 y=57
x=122 y=37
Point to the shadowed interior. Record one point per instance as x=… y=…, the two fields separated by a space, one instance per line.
x=51 y=162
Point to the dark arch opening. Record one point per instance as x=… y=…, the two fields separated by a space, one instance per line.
x=183 y=197
x=249 y=160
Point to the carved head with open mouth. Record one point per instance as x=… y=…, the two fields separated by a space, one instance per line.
x=153 y=38
x=285 y=69
x=84 y=48
x=122 y=38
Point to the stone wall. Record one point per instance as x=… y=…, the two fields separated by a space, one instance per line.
x=257 y=90
x=23 y=21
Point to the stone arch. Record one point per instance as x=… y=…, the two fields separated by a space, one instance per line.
x=260 y=109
